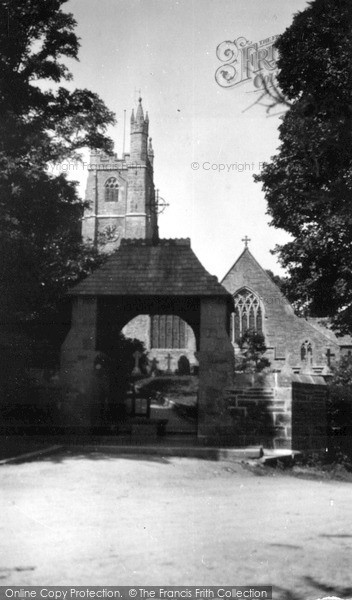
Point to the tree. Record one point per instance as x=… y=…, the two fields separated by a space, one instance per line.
x=281 y=282
x=339 y=410
x=308 y=184
x=41 y=249
x=116 y=366
x=342 y=373
x=252 y=358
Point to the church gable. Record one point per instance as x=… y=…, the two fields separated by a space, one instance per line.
x=247 y=273
x=260 y=305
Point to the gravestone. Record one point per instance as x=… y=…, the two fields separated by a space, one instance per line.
x=136 y=370
x=168 y=359
x=184 y=366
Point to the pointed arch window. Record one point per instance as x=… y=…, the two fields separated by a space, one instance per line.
x=248 y=315
x=307 y=352
x=111 y=190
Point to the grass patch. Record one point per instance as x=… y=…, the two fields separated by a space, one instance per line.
x=182 y=389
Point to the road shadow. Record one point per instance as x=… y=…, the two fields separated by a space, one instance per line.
x=339 y=591
x=336 y=535
x=323 y=590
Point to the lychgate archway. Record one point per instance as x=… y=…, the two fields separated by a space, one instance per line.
x=145 y=277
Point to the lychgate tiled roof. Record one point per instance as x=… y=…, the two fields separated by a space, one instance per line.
x=140 y=267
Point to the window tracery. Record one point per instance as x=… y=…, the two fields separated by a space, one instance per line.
x=248 y=315
x=111 y=190
x=168 y=331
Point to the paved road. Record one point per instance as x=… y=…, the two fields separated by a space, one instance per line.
x=104 y=520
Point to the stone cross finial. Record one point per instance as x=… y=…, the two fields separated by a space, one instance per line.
x=169 y=358
x=138 y=93
x=329 y=355
x=246 y=240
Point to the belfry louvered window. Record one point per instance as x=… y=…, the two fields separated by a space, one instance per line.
x=248 y=315
x=111 y=190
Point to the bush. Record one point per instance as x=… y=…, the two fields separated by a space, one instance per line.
x=339 y=412
x=251 y=359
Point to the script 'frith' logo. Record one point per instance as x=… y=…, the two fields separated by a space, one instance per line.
x=245 y=61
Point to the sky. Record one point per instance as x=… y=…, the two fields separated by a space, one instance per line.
x=165 y=51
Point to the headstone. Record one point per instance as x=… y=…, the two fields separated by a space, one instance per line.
x=168 y=358
x=136 y=370
x=154 y=367
x=183 y=366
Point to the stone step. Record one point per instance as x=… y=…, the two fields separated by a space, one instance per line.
x=251 y=396
x=205 y=452
x=254 y=394
x=242 y=393
x=250 y=389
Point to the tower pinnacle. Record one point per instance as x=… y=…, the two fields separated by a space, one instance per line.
x=150 y=152
x=139 y=134
x=140 y=115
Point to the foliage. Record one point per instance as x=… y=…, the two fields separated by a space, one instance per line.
x=40 y=212
x=301 y=305
x=251 y=360
x=117 y=365
x=122 y=358
x=339 y=413
x=283 y=283
x=118 y=361
x=342 y=372
x=308 y=184
x=331 y=463
x=277 y=279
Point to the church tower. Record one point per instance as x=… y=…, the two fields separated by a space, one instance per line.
x=121 y=192
x=122 y=204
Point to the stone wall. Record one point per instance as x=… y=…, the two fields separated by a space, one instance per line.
x=259 y=406
x=309 y=413
x=279 y=412
x=111 y=214
x=215 y=373
x=128 y=217
x=138 y=328
x=82 y=385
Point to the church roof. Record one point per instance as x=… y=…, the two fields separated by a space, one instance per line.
x=141 y=267
x=323 y=324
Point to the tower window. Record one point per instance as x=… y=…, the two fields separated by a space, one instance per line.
x=111 y=190
x=248 y=315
